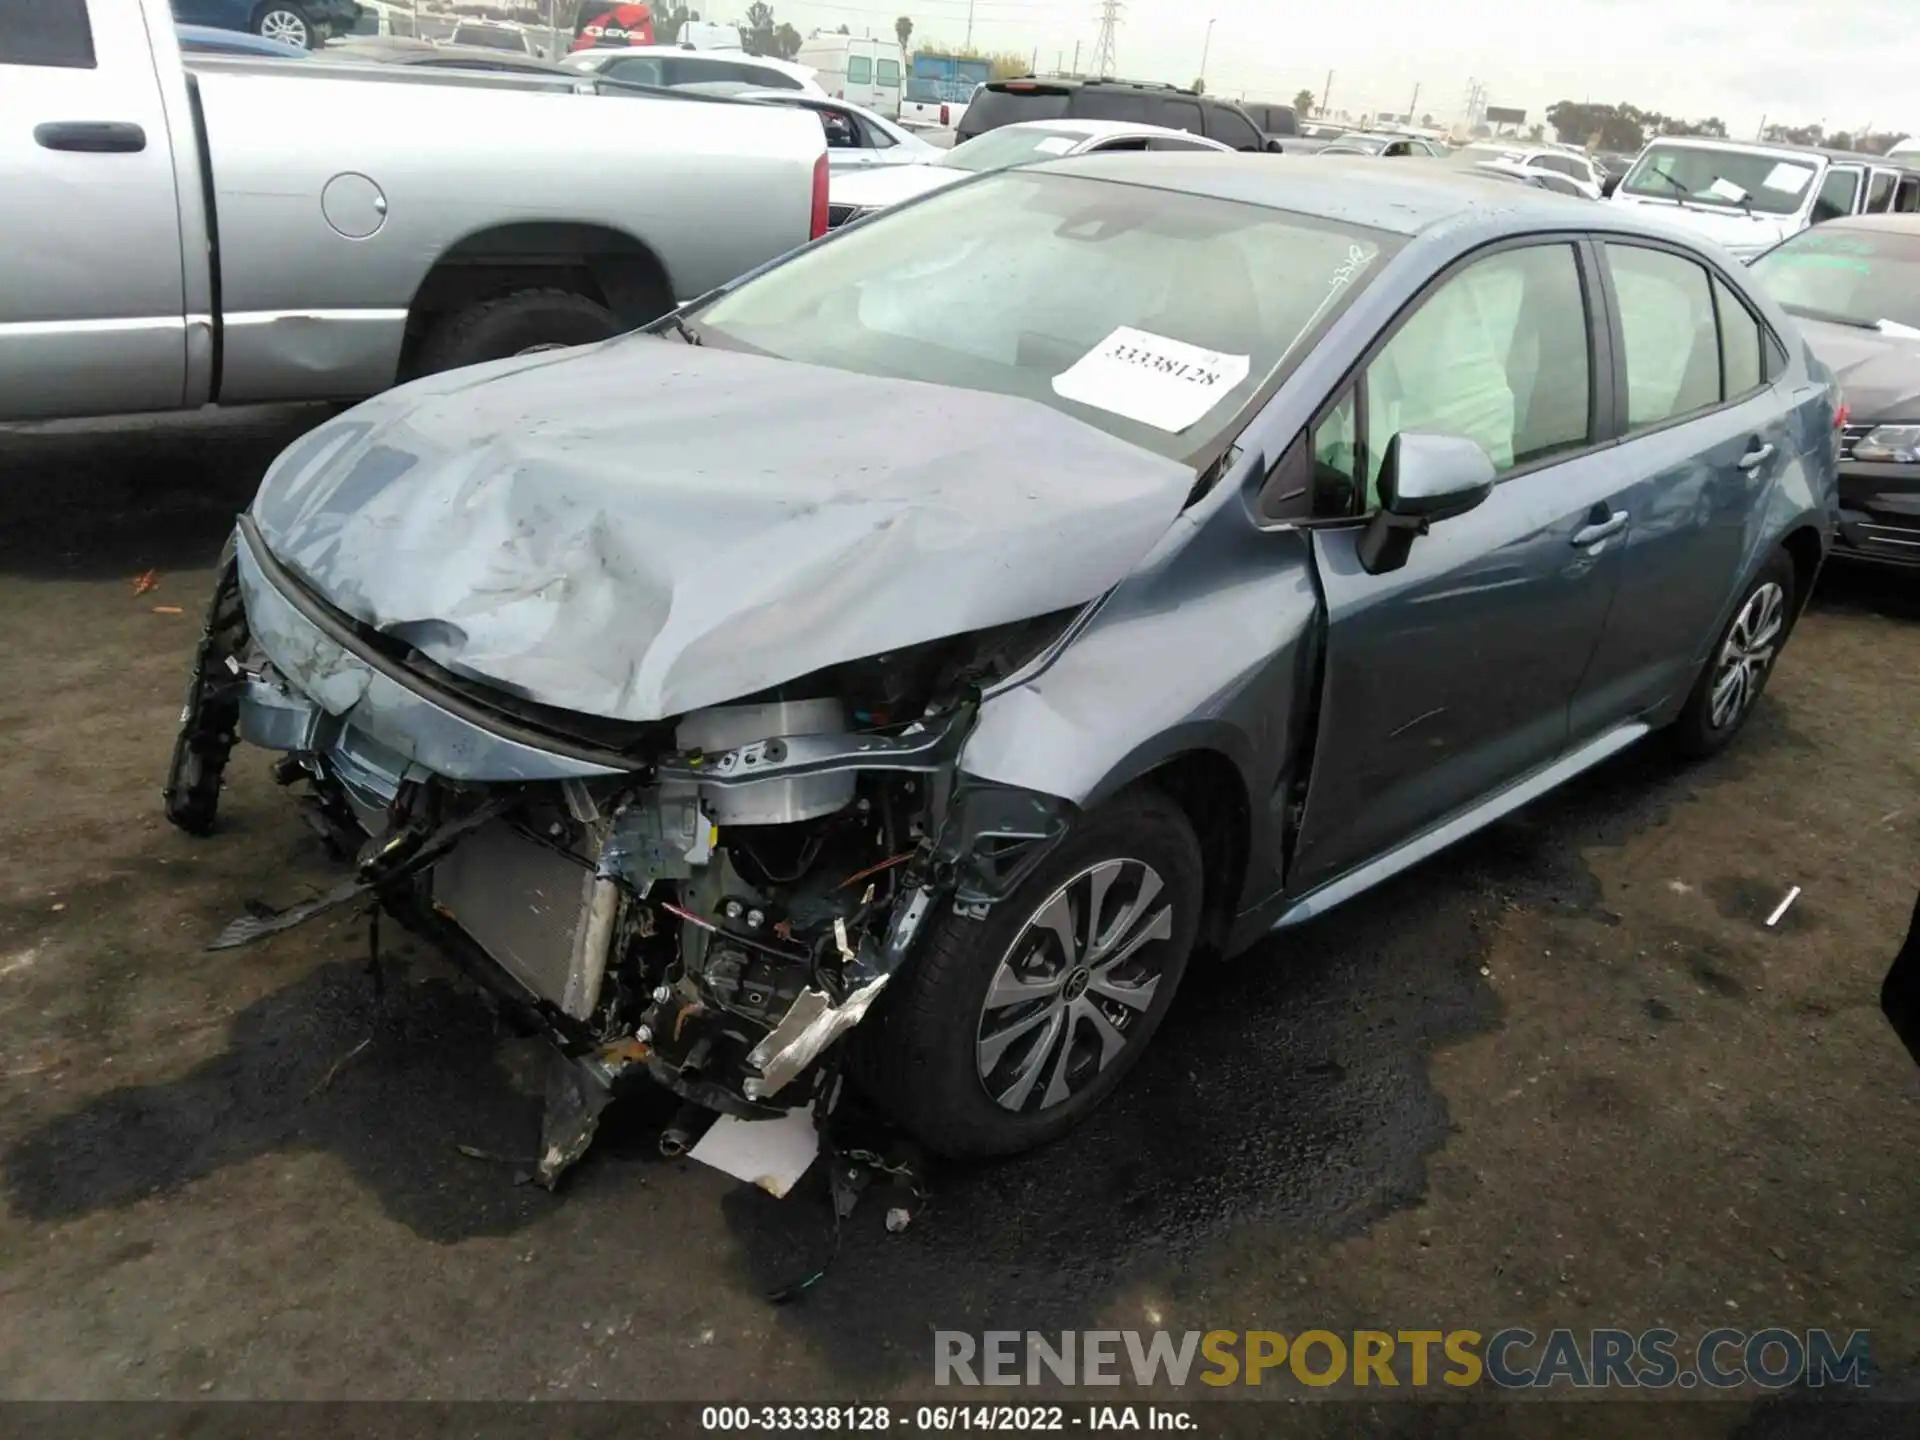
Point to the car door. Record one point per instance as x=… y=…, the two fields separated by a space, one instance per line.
x=1705 y=433
x=92 y=295
x=1451 y=677
x=1179 y=114
x=1235 y=130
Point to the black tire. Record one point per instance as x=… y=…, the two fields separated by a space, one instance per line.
x=314 y=39
x=916 y=1053
x=1696 y=734
x=513 y=325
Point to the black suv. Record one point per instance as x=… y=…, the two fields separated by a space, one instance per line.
x=1006 y=102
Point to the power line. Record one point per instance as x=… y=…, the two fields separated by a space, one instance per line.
x=1104 y=62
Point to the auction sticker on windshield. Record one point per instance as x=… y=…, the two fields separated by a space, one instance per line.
x=1164 y=383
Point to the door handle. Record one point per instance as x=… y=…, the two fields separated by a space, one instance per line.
x=1598 y=530
x=92 y=137
x=1754 y=459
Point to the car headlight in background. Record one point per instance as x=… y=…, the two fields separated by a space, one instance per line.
x=1899 y=444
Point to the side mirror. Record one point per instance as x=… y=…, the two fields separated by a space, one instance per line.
x=1274 y=147
x=1423 y=478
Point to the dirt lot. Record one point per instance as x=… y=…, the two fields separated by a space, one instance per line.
x=1563 y=1076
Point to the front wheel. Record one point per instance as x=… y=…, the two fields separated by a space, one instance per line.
x=1740 y=662
x=1002 y=1034
x=286 y=23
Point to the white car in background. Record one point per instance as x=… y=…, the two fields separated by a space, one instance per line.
x=857 y=194
x=494 y=35
x=857 y=139
x=674 y=66
x=1587 y=176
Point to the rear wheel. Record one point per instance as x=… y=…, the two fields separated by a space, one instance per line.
x=523 y=323
x=287 y=23
x=1002 y=1034
x=1740 y=662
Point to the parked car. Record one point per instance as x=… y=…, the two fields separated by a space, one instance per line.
x=1391 y=147
x=1006 y=102
x=205 y=40
x=428 y=55
x=668 y=66
x=940 y=87
x=381 y=17
x=1584 y=177
x=1749 y=197
x=857 y=139
x=1854 y=287
x=859 y=68
x=856 y=196
x=1092 y=564
x=494 y=35
x=171 y=245
x=304 y=23
x=1282 y=129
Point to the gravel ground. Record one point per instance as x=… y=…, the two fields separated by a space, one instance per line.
x=1564 y=1075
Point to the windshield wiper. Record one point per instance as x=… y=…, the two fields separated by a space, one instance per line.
x=1680 y=185
x=1745 y=202
x=1832 y=317
x=685 y=330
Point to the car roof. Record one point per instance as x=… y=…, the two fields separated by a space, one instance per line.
x=1767 y=147
x=1403 y=199
x=1093 y=129
x=1899 y=224
x=1077 y=82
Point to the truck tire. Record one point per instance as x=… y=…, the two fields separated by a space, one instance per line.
x=287 y=22
x=516 y=324
x=985 y=1043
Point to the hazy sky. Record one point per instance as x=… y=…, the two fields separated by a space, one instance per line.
x=1790 y=60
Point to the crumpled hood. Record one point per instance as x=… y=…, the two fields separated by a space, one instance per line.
x=1879 y=374
x=642 y=528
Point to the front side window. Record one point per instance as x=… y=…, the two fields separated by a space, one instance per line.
x=859 y=70
x=875 y=138
x=1851 y=276
x=1020 y=282
x=759 y=75
x=640 y=70
x=46 y=32
x=1837 y=194
x=1775 y=184
x=1498 y=354
x=1667 y=326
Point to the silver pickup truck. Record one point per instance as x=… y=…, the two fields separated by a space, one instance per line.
x=246 y=231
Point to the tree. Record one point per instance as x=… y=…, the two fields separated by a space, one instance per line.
x=843 y=30
x=903 y=28
x=1304 y=104
x=1426 y=122
x=1537 y=133
x=786 y=41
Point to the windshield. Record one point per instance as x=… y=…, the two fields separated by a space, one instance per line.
x=991 y=109
x=490 y=36
x=998 y=149
x=1861 y=276
x=1774 y=184
x=1022 y=282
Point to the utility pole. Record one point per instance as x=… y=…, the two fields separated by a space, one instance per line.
x=969 y=24
x=1413 y=105
x=1104 y=60
x=1076 y=57
x=1206 y=48
x=1325 y=92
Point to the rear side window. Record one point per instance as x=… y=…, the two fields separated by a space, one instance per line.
x=1880 y=193
x=1667 y=324
x=1112 y=105
x=1230 y=127
x=1180 y=115
x=46 y=32
x=641 y=70
x=1742 y=362
x=859 y=70
x=769 y=79
x=888 y=72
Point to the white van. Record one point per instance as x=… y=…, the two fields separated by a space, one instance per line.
x=865 y=72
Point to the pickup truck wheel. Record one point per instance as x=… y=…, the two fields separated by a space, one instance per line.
x=286 y=23
x=517 y=324
x=1001 y=1034
x=1741 y=660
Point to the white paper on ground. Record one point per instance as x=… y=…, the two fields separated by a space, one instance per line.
x=1787 y=178
x=1164 y=383
x=772 y=1154
x=1055 y=144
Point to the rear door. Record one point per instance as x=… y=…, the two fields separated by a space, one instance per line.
x=1705 y=434
x=92 y=298
x=1451 y=677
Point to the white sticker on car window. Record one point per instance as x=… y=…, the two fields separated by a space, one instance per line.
x=1722 y=189
x=1055 y=144
x=1788 y=179
x=1164 y=383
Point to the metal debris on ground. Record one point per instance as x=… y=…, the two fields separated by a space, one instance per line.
x=337 y=1066
x=1781 y=908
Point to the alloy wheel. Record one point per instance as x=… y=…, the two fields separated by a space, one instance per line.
x=1741 y=667
x=287 y=26
x=1079 y=977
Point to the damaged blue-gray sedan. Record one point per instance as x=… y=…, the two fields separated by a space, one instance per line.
x=899 y=665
